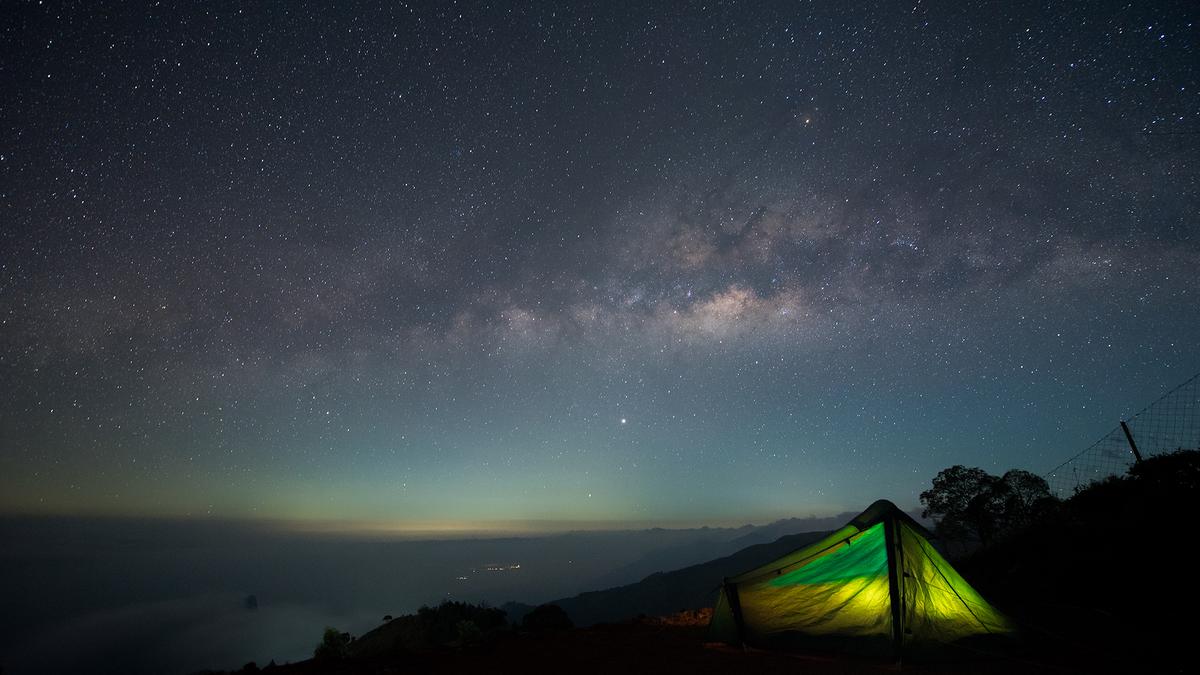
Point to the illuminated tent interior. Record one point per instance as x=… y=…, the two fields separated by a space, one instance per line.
x=874 y=586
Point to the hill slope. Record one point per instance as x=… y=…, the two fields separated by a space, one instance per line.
x=664 y=593
x=680 y=555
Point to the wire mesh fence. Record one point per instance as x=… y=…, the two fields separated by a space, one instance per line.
x=1170 y=423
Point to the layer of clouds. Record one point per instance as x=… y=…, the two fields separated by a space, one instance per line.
x=178 y=636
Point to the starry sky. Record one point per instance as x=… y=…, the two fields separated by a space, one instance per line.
x=600 y=262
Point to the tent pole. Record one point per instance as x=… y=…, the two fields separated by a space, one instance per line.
x=891 y=536
x=735 y=607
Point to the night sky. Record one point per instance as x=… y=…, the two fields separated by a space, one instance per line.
x=466 y=265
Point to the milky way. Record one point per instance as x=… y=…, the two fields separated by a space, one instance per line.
x=713 y=262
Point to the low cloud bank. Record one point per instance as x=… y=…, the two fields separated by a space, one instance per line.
x=179 y=636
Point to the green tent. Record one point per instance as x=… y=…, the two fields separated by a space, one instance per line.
x=875 y=586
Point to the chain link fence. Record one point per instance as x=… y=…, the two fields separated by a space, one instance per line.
x=1170 y=423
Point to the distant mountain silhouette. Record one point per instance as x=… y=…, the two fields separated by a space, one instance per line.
x=766 y=534
x=723 y=542
x=665 y=593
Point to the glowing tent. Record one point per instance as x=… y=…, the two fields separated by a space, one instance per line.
x=876 y=585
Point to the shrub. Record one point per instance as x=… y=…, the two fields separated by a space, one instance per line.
x=334 y=646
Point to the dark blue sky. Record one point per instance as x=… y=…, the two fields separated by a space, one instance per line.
x=452 y=265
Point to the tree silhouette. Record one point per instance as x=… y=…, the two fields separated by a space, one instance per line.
x=970 y=503
x=334 y=646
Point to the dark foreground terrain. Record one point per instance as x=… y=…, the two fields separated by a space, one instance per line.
x=667 y=645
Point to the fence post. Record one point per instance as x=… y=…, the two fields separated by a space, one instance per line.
x=1132 y=446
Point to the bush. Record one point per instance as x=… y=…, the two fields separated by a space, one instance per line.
x=334 y=646
x=445 y=624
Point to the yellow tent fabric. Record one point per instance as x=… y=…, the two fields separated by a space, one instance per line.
x=876 y=584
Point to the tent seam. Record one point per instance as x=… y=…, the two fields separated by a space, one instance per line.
x=952 y=588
